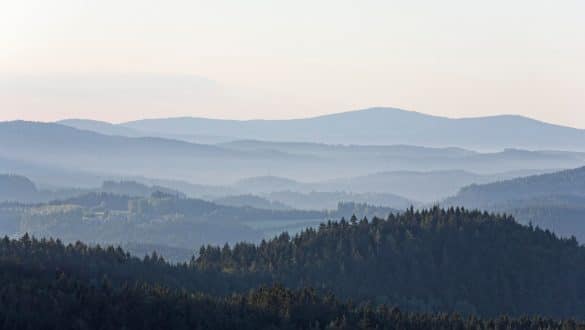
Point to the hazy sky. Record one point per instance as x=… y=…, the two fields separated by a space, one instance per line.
x=120 y=60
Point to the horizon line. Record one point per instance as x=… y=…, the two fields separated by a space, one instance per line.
x=373 y=108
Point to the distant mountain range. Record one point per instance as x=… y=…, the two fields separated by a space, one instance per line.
x=374 y=126
x=62 y=156
x=59 y=146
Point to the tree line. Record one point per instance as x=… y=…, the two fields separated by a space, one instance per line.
x=430 y=260
x=435 y=268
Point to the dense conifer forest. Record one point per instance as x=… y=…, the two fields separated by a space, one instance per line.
x=431 y=260
x=47 y=285
x=436 y=268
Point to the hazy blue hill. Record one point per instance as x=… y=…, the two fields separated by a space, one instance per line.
x=384 y=126
x=567 y=182
x=101 y=127
x=348 y=151
x=423 y=186
x=347 y=127
x=555 y=201
x=57 y=145
x=48 y=177
x=21 y=189
x=319 y=200
x=268 y=184
x=32 y=137
x=399 y=187
x=416 y=158
x=252 y=201
x=107 y=128
x=133 y=188
x=17 y=188
x=89 y=156
x=52 y=176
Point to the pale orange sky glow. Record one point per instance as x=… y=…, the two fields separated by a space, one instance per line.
x=118 y=61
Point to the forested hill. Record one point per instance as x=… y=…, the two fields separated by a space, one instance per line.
x=52 y=286
x=441 y=260
x=486 y=265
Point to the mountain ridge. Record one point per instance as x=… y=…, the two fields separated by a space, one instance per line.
x=385 y=126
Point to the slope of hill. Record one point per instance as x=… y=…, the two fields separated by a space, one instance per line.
x=112 y=219
x=567 y=182
x=66 y=147
x=106 y=128
x=267 y=184
x=252 y=201
x=16 y=188
x=555 y=201
x=406 y=187
x=101 y=127
x=133 y=188
x=29 y=138
x=385 y=126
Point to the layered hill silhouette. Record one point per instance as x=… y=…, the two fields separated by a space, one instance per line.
x=119 y=291
x=378 y=126
x=561 y=183
x=68 y=157
x=555 y=201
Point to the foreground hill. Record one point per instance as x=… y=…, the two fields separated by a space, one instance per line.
x=385 y=126
x=434 y=260
x=50 y=286
x=441 y=260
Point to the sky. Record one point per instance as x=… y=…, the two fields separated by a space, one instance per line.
x=123 y=60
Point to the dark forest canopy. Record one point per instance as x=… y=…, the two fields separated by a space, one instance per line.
x=48 y=285
x=430 y=260
x=433 y=260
